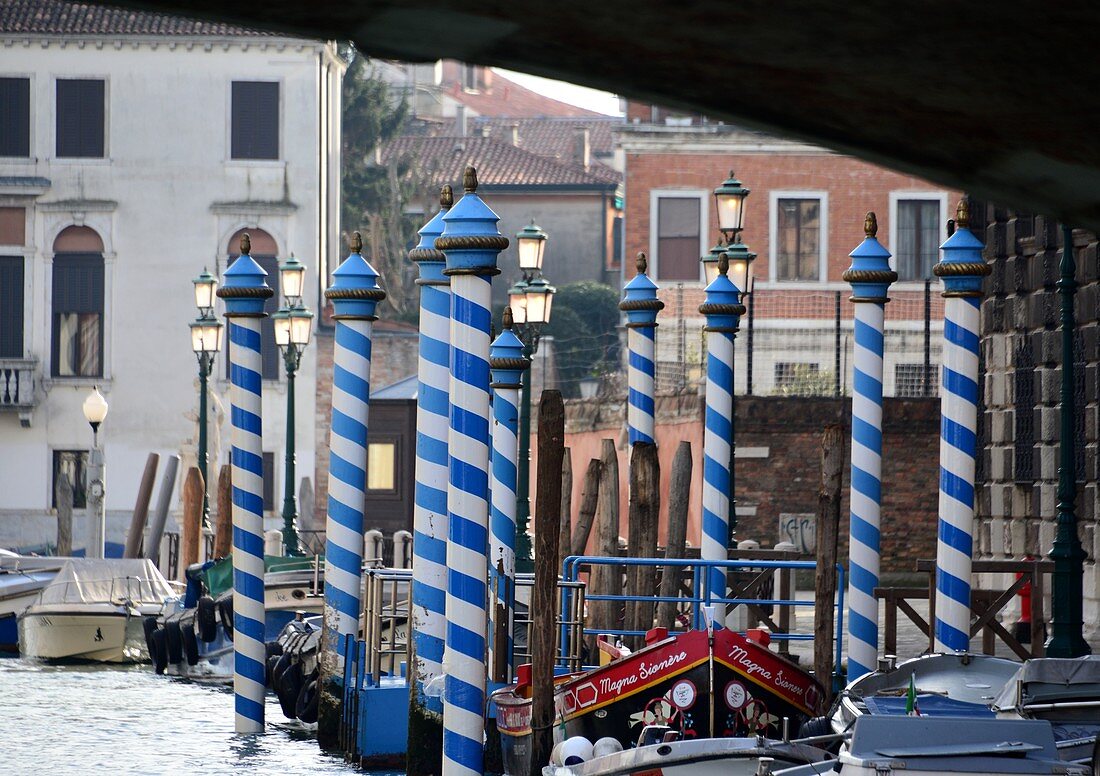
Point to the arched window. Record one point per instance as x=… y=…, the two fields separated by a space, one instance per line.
x=264 y=252
x=77 y=304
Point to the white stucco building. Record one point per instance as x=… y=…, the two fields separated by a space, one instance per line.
x=134 y=148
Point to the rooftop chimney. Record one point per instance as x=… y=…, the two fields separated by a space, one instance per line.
x=515 y=134
x=460 y=120
x=582 y=148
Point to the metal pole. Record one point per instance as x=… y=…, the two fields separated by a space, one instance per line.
x=290 y=501
x=97 y=500
x=524 y=563
x=870 y=276
x=245 y=292
x=962 y=270
x=507 y=362
x=748 y=348
x=836 y=349
x=641 y=305
x=1067 y=592
x=429 y=568
x=205 y=364
x=927 y=383
x=471 y=243
x=723 y=312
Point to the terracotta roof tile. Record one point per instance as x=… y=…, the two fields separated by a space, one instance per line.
x=497 y=163
x=55 y=17
x=506 y=98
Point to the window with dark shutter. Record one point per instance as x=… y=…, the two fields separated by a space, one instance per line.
x=271 y=362
x=77 y=315
x=798 y=237
x=81 y=118
x=254 y=131
x=918 y=244
x=678 y=238
x=11 y=306
x=15 y=117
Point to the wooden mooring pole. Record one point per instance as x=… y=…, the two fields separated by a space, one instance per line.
x=679 y=497
x=587 y=513
x=141 y=508
x=543 y=633
x=223 y=538
x=606 y=580
x=191 y=533
x=566 y=507
x=828 y=527
x=645 y=508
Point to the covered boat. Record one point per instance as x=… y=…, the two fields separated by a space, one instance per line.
x=22 y=578
x=731 y=687
x=93 y=610
x=1063 y=691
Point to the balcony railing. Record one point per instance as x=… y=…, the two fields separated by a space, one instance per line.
x=17 y=386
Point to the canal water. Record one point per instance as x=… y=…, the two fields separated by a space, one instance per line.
x=100 y=719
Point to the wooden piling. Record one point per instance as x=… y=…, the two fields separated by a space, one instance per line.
x=589 y=502
x=192 y=518
x=223 y=538
x=679 y=497
x=606 y=580
x=566 y=507
x=645 y=506
x=141 y=508
x=64 y=496
x=828 y=527
x=160 y=513
x=543 y=632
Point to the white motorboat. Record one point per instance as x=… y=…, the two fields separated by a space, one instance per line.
x=22 y=578
x=939 y=746
x=94 y=610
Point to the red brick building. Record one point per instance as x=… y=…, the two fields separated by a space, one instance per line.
x=804 y=215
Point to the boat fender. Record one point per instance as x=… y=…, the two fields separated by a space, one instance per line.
x=273 y=648
x=158 y=650
x=287 y=688
x=148 y=625
x=306 y=707
x=269 y=670
x=555 y=753
x=190 y=643
x=576 y=750
x=205 y=620
x=606 y=745
x=279 y=668
x=818 y=726
x=225 y=613
x=173 y=639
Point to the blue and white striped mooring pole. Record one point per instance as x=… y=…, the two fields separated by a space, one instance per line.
x=429 y=571
x=355 y=295
x=506 y=362
x=641 y=305
x=245 y=291
x=723 y=311
x=962 y=270
x=870 y=276
x=471 y=243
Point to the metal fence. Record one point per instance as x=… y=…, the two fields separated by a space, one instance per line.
x=800 y=343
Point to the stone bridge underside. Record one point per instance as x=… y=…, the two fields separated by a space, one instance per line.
x=997 y=99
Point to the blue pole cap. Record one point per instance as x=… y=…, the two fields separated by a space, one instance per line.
x=962 y=267
x=507 y=360
x=470 y=239
x=431 y=259
x=355 y=292
x=722 y=306
x=640 y=302
x=870 y=273
x=244 y=287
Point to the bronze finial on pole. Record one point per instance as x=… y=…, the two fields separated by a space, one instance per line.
x=642 y=264
x=723 y=264
x=508 y=321
x=355 y=242
x=469 y=179
x=870 y=224
x=246 y=244
x=447 y=197
x=962 y=214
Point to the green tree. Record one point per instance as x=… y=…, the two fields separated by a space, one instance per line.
x=584 y=324
x=375 y=196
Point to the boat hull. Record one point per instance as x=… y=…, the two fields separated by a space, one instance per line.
x=700 y=757
x=105 y=637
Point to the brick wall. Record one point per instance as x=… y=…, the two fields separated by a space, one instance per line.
x=783 y=436
x=1022 y=355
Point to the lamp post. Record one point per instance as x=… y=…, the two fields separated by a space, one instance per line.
x=729 y=202
x=1066 y=618
x=206 y=341
x=95 y=410
x=530 y=300
x=293 y=327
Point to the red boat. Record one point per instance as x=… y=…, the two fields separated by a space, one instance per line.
x=733 y=687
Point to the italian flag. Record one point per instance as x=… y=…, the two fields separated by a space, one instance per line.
x=911 y=708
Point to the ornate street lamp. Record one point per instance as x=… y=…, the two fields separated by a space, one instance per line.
x=206 y=341
x=293 y=329
x=740 y=259
x=729 y=199
x=710 y=260
x=95 y=410
x=531 y=300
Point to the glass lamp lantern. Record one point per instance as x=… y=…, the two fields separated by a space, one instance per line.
x=292 y=278
x=206 y=286
x=281 y=319
x=540 y=298
x=95 y=408
x=709 y=261
x=740 y=259
x=531 y=244
x=206 y=335
x=729 y=199
x=301 y=327
x=517 y=300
